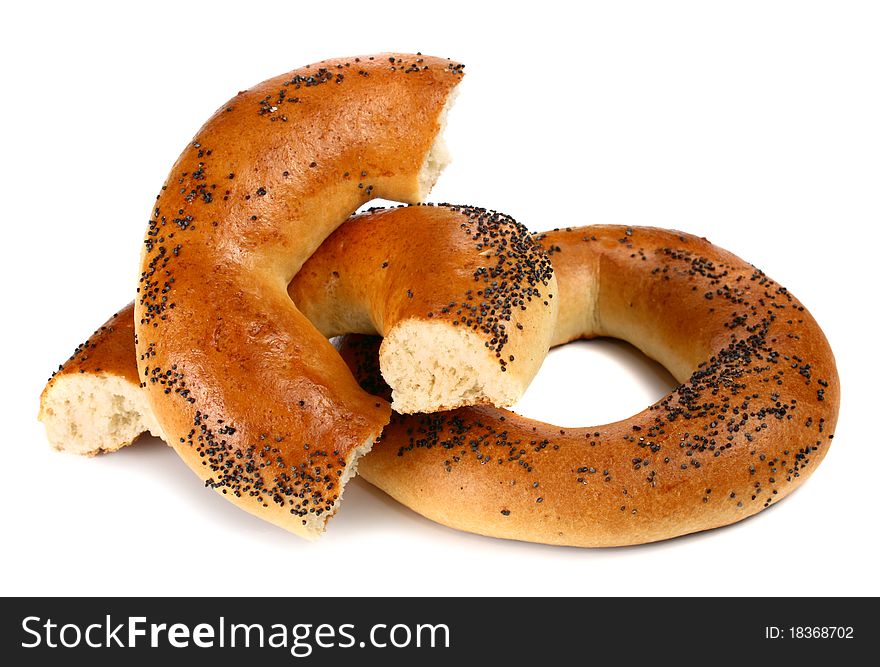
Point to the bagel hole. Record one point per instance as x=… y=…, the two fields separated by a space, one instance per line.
x=594 y=382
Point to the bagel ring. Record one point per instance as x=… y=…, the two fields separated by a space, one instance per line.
x=753 y=417
x=244 y=388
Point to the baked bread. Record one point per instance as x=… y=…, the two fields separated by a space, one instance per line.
x=250 y=395
x=464 y=298
x=94 y=402
x=752 y=418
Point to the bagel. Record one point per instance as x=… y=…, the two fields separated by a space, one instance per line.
x=752 y=418
x=94 y=402
x=246 y=390
x=478 y=278
x=490 y=291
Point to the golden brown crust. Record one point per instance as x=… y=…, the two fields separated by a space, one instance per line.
x=752 y=419
x=109 y=350
x=249 y=393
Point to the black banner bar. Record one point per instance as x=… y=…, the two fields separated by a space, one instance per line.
x=315 y=631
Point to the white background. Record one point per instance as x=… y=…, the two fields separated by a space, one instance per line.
x=756 y=124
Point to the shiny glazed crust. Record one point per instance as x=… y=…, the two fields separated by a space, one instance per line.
x=247 y=391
